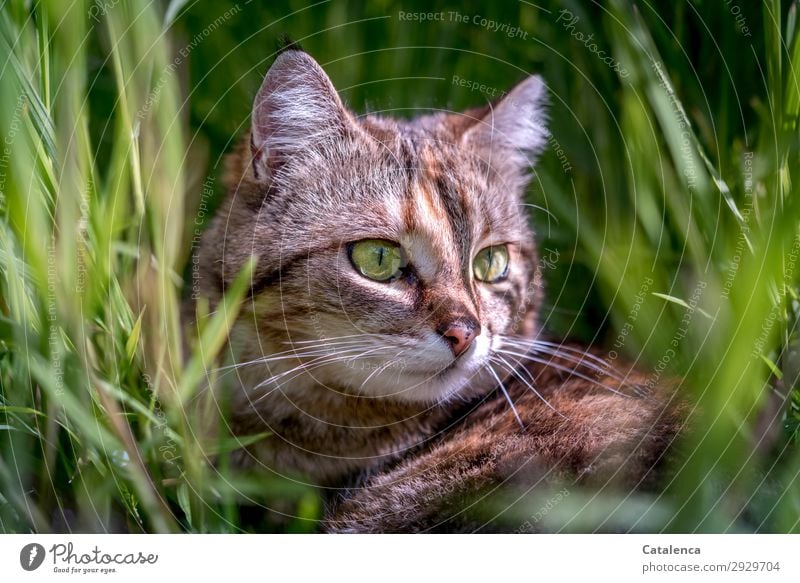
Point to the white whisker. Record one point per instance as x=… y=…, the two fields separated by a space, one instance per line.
x=325 y=360
x=565 y=369
x=343 y=355
x=295 y=353
x=298 y=371
x=568 y=353
x=507 y=396
x=330 y=339
x=516 y=373
x=578 y=360
x=558 y=348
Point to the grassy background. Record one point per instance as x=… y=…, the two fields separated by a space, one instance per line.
x=670 y=224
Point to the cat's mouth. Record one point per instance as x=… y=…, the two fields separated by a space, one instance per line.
x=460 y=362
x=444 y=380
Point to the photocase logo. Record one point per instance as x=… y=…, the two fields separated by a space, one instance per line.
x=31 y=556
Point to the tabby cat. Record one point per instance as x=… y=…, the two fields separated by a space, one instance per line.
x=390 y=341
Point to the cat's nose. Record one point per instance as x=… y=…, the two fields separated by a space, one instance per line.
x=460 y=334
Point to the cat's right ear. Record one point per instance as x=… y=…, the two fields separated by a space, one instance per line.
x=513 y=132
x=296 y=109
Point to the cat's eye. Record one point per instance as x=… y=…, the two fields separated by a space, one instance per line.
x=491 y=264
x=377 y=259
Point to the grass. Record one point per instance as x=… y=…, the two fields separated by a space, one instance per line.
x=672 y=231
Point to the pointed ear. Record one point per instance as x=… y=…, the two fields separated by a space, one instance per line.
x=514 y=130
x=297 y=108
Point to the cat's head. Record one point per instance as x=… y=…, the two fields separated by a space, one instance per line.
x=392 y=254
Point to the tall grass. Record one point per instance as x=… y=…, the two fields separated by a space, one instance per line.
x=95 y=384
x=673 y=225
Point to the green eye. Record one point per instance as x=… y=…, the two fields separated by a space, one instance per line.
x=376 y=259
x=491 y=264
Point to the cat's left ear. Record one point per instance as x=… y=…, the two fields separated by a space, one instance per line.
x=297 y=109
x=514 y=130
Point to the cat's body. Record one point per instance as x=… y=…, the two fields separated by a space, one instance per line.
x=397 y=280
x=584 y=436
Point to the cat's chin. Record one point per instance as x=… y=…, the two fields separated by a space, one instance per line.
x=447 y=385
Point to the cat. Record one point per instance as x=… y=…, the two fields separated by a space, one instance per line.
x=389 y=342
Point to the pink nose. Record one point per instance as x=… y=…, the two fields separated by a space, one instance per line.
x=460 y=335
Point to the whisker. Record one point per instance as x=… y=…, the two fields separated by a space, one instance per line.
x=299 y=370
x=570 y=354
x=320 y=345
x=565 y=369
x=558 y=348
x=578 y=360
x=605 y=371
x=583 y=353
x=294 y=353
x=329 y=339
x=318 y=362
x=341 y=355
x=515 y=372
x=507 y=396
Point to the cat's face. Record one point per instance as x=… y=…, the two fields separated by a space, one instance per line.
x=392 y=256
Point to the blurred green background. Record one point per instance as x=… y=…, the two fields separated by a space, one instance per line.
x=666 y=206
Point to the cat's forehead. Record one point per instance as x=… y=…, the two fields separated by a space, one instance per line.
x=415 y=187
x=450 y=190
